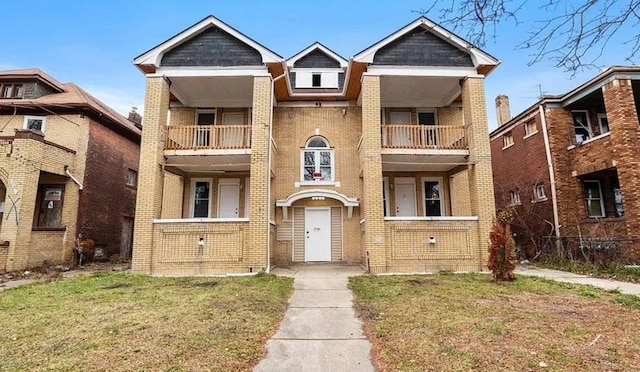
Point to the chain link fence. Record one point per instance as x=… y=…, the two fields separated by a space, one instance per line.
x=600 y=251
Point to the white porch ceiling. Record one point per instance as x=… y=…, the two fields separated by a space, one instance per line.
x=190 y=161
x=213 y=91
x=421 y=163
x=418 y=91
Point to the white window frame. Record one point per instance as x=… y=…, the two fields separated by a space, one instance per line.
x=603 y=115
x=527 y=129
x=317 y=151
x=36 y=117
x=539 y=192
x=135 y=178
x=515 y=197
x=507 y=143
x=601 y=199
x=440 y=181
x=247 y=195
x=385 y=189
x=192 y=196
x=590 y=128
x=329 y=77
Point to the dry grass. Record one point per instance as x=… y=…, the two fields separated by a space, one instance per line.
x=124 y=322
x=452 y=322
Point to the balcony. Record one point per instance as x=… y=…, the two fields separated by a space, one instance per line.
x=423 y=147
x=208 y=147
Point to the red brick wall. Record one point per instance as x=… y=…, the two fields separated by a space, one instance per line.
x=106 y=199
x=520 y=167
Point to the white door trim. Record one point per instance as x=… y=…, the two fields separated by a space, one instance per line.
x=440 y=181
x=405 y=181
x=307 y=221
x=228 y=181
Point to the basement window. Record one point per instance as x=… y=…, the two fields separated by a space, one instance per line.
x=48 y=213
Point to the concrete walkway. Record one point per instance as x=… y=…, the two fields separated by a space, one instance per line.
x=320 y=331
x=562 y=276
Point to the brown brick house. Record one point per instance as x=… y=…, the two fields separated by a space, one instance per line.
x=68 y=166
x=251 y=160
x=570 y=160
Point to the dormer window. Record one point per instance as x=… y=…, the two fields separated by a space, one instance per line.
x=11 y=90
x=316 y=80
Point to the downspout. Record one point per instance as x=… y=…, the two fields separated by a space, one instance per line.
x=68 y=172
x=270 y=152
x=552 y=178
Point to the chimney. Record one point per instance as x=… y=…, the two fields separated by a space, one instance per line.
x=135 y=117
x=502 y=109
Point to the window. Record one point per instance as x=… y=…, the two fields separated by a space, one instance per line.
x=317 y=160
x=539 y=192
x=603 y=122
x=200 y=197
x=617 y=197
x=316 y=80
x=428 y=135
x=48 y=213
x=507 y=140
x=581 y=125
x=432 y=197
x=11 y=91
x=35 y=123
x=530 y=127
x=593 y=198
x=132 y=178
x=515 y=197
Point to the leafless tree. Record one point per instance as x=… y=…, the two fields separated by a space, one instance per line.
x=572 y=34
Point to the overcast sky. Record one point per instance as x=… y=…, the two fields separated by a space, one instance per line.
x=93 y=43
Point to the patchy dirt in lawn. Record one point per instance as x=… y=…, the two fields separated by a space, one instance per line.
x=465 y=322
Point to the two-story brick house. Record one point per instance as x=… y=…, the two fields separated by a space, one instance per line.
x=251 y=160
x=571 y=160
x=68 y=166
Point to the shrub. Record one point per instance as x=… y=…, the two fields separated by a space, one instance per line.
x=501 y=246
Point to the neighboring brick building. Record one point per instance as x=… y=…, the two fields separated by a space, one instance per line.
x=250 y=160
x=68 y=166
x=574 y=157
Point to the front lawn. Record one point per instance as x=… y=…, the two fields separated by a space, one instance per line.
x=451 y=322
x=125 y=322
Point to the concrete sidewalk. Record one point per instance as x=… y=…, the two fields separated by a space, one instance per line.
x=562 y=276
x=320 y=331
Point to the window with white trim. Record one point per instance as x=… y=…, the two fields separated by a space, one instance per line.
x=530 y=127
x=515 y=197
x=593 y=198
x=603 y=122
x=132 y=178
x=507 y=140
x=317 y=160
x=200 y=197
x=35 y=122
x=432 y=192
x=582 y=125
x=539 y=192
x=11 y=90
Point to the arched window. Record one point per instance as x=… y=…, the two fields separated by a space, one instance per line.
x=317 y=160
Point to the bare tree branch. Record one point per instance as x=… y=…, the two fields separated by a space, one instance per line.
x=573 y=34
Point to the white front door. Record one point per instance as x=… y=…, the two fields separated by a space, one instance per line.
x=401 y=136
x=228 y=199
x=405 y=197
x=317 y=227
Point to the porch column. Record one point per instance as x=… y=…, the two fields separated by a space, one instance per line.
x=371 y=163
x=255 y=248
x=480 y=173
x=20 y=202
x=150 y=177
x=623 y=125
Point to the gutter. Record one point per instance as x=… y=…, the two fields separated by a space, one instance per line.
x=552 y=179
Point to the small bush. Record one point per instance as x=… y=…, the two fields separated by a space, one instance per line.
x=501 y=247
